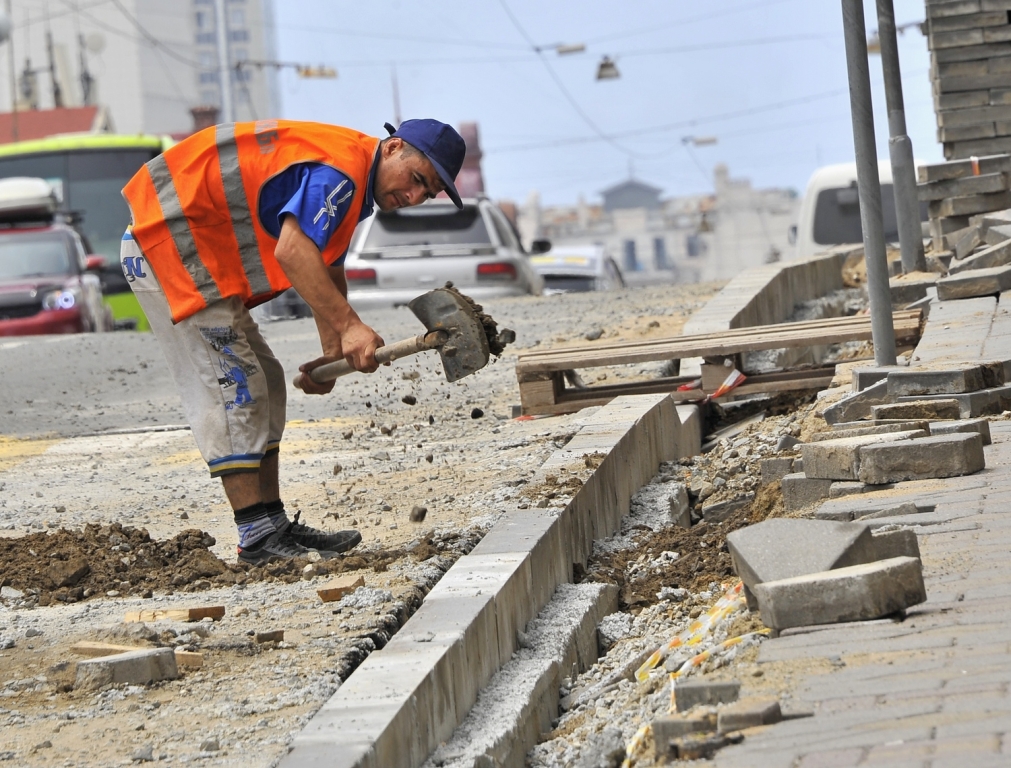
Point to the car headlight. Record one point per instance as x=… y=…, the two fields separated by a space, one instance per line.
x=64 y=298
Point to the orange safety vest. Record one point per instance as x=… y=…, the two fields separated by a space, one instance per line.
x=195 y=207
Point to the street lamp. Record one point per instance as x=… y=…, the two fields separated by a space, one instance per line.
x=607 y=69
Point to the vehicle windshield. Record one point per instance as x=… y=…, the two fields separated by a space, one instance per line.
x=428 y=225
x=837 y=216
x=33 y=255
x=88 y=181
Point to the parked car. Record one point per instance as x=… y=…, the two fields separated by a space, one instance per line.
x=577 y=268
x=48 y=280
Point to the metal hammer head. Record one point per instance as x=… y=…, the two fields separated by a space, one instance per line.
x=466 y=351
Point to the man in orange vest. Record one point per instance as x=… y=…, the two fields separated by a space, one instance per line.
x=230 y=218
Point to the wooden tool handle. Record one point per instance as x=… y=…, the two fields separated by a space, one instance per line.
x=387 y=354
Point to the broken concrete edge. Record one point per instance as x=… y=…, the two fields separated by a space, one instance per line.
x=406 y=699
x=766 y=295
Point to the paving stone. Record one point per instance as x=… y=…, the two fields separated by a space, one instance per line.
x=858 y=405
x=981 y=426
x=944 y=408
x=998 y=255
x=136 y=667
x=690 y=693
x=905 y=289
x=721 y=510
x=900 y=543
x=985 y=402
x=973 y=283
x=929 y=457
x=911 y=382
x=781 y=548
x=906 y=508
x=671 y=727
x=840 y=459
x=680 y=508
x=749 y=713
x=847 y=488
x=882 y=429
x=867 y=591
x=866 y=377
x=776 y=469
x=800 y=491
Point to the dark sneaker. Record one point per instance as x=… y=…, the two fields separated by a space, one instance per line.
x=328 y=544
x=276 y=546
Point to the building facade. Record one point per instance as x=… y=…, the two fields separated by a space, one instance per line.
x=681 y=239
x=148 y=62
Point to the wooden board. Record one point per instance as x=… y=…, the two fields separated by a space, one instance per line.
x=962 y=168
x=94 y=650
x=177 y=614
x=340 y=586
x=723 y=344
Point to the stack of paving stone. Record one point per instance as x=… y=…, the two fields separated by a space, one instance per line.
x=900 y=424
x=970 y=64
x=956 y=191
x=803 y=572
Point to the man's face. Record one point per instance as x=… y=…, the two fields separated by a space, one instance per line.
x=403 y=178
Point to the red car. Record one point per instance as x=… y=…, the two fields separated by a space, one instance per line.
x=48 y=282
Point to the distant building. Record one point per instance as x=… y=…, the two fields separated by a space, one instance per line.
x=147 y=62
x=682 y=239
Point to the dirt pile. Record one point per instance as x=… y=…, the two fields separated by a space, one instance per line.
x=114 y=560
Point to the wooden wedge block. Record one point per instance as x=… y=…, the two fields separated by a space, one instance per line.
x=93 y=650
x=274 y=635
x=176 y=614
x=340 y=586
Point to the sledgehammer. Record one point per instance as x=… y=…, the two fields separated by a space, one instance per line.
x=457 y=327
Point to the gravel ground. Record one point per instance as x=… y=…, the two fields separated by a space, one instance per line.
x=88 y=437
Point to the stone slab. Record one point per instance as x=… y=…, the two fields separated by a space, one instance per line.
x=881 y=429
x=691 y=693
x=998 y=255
x=944 y=407
x=906 y=383
x=905 y=289
x=866 y=377
x=721 y=510
x=782 y=548
x=800 y=491
x=680 y=508
x=955 y=332
x=857 y=593
x=749 y=713
x=136 y=668
x=930 y=457
x=839 y=459
x=775 y=469
x=980 y=426
x=973 y=283
x=846 y=513
x=670 y=727
x=971 y=405
x=858 y=405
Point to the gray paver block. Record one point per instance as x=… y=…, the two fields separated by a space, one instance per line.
x=942 y=408
x=781 y=548
x=136 y=667
x=749 y=713
x=882 y=429
x=846 y=488
x=998 y=255
x=906 y=383
x=671 y=727
x=840 y=459
x=721 y=510
x=866 y=377
x=860 y=505
x=800 y=491
x=691 y=693
x=973 y=404
x=929 y=457
x=858 y=405
x=974 y=282
x=680 y=508
x=900 y=543
x=982 y=426
x=776 y=468
x=905 y=289
x=855 y=593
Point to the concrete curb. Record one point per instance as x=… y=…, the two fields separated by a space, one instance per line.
x=406 y=699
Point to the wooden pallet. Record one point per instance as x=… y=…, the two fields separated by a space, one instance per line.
x=541 y=374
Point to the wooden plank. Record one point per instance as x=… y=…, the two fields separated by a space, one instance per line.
x=340 y=586
x=94 y=650
x=900 y=316
x=177 y=614
x=712 y=345
x=970 y=185
x=961 y=168
x=965 y=206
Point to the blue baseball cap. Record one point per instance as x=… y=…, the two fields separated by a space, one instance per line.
x=441 y=144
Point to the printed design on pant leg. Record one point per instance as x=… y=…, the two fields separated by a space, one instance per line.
x=235 y=371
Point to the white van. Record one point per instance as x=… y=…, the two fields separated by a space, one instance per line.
x=830 y=210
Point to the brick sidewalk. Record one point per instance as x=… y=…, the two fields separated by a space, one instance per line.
x=927 y=692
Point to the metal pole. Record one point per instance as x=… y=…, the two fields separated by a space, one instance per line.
x=900 y=148
x=224 y=71
x=14 y=83
x=868 y=186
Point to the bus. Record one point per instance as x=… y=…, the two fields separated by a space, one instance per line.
x=87 y=172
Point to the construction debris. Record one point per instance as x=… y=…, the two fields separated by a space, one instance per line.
x=177 y=614
x=340 y=586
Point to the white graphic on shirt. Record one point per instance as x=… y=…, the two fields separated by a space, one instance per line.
x=329 y=205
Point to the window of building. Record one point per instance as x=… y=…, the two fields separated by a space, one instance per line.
x=206 y=38
x=208 y=97
x=238 y=36
x=208 y=77
x=208 y=59
x=240 y=54
x=204 y=20
x=660 y=260
x=237 y=18
x=629 y=258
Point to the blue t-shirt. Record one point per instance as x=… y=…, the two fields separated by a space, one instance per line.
x=317 y=195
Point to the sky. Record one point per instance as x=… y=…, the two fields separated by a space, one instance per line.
x=766 y=78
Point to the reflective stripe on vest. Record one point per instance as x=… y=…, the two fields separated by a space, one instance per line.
x=195 y=207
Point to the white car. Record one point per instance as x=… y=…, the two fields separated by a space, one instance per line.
x=577 y=268
x=399 y=255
